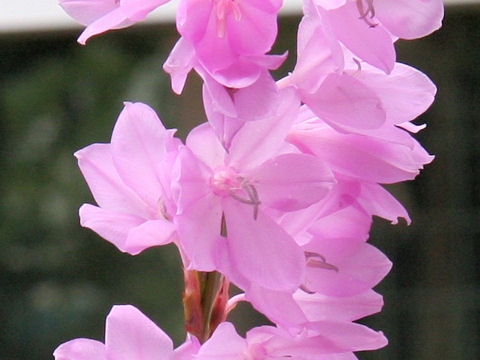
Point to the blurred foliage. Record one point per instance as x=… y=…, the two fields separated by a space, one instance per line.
x=58 y=281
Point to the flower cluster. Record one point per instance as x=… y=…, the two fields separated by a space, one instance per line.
x=276 y=192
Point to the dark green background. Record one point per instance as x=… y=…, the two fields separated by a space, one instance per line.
x=58 y=281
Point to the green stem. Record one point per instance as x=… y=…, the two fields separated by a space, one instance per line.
x=212 y=284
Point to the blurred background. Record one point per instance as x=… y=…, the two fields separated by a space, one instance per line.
x=58 y=281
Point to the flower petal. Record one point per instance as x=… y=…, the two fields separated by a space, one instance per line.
x=111 y=225
x=346 y=104
x=291 y=182
x=108 y=189
x=261 y=250
x=150 y=233
x=199 y=227
x=405 y=93
x=258 y=141
x=319 y=307
x=378 y=201
x=179 y=63
x=130 y=335
x=372 y=44
x=225 y=343
x=139 y=142
x=410 y=19
x=80 y=349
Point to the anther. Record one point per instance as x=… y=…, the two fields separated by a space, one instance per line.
x=162 y=209
x=359 y=65
x=319 y=261
x=366 y=13
x=252 y=194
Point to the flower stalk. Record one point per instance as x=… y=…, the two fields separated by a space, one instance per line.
x=204 y=302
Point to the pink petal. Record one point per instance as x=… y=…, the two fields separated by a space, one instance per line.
x=130 y=335
x=280 y=307
x=115 y=19
x=225 y=343
x=329 y=4
x=378 y=201
x=137 y=10
x=258 y=100
x=291 y=182
x=111 y=225
x=239 y=74
x=405 y=93
x=346 y=104
x=221 y=111
x=108 y=189
x=205 y=145
x=199 y=227
x=80 y=349
x=179 y=63
x=353 y=267
x=193 y=17
x=362 y=157
x=260 y=140
x=188 y=349
x=410 y=19
x=190 y=179
x=319 y=307
x=138 y=150
x=372 y=44
x=124 y=14
x=261 y=250
x=322 y=338
x=150 y=233
x=347 y=223
x=220 y=99
x=318 y=53
x=350 y=336
x=368 y=264
x=240 y=33
x=87 y=11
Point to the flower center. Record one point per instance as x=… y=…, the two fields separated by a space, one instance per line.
x=223 y=9
x=227 y=182
x=224 y=180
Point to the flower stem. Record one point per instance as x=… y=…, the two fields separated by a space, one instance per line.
x=205 y=302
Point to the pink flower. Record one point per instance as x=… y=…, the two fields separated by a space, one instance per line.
x=353 y=96
x=368 y=28
x=340 y=267
x=129 y=335
x=104 y=15
x=326 y=340
x=239 y=185
x=217 y=39
x=357 y=156
x=129 y=181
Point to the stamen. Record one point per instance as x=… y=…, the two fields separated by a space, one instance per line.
x=312 y=260
x=366 y=13
x=359 y=65
x=252 y=193
x=223 y=8
x=307 y=290
x=162 y=209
